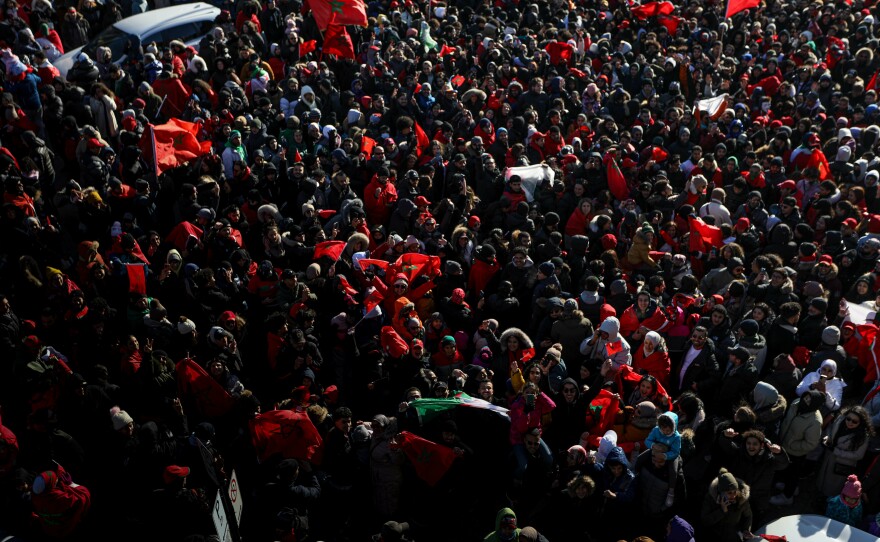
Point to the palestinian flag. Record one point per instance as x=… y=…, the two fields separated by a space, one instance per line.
x=428 y=409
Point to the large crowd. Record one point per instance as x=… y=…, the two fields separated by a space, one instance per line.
x=636 y=245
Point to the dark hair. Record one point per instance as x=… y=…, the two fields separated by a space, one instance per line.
x=665 y=421
x=341 y=413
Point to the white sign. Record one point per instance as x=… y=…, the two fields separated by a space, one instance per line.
x=235 y=497
x=221 y=523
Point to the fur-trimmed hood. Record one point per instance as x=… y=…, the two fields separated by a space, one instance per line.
x=524 y=340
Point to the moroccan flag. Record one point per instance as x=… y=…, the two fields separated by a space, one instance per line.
x=652 y=9
x=577 y=73
x=421 y=138
x=367 y=146
x=626 y=374
x=616 y=180
x=288 y=433
x=430 y=408
x=735 y=6
x=600 y=415
x=367 y=262
x=307 y=47
x=430 y=460
x=658 y=154
x=559 y=52
x=413 y=264
x=613 y=348
x=137 y=278
x=817 y=160
x=341 y=12
x=331 y=249
x=338 y=42
x=207 y=395
x=671 y=23
x=172 y=144
x=346 y=286
x=372 y=300
x=704 y=233
x=458 y=80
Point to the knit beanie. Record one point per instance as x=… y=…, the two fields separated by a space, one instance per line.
x=831 y=335
x=726 y=481
x=852 y=489
x=120 y=418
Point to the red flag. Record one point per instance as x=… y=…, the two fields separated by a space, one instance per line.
x=338 y=42
x=207 y=395
x=137 y=280
x=559 y=52
x=658 y=154
x=341 y=12
x=670 y=22
x=421 y=138
x=616 y=180
x=578 y=73
x=600 y=415
x=324 y=214
x=367 y=146
x=872 y=84
x=307 y=47
x=331 y=249
x=652 y=9
x=373 y=298
x=704 y=233
x=458 y=80
x=735 y=6
x=413 y=264
x=175 y=143
x=346 y=286
x=288 y=433
x=613 y=348
x=430 y=460
x=817 y=160
x=367 y=262
x=181 y=234
x=626 y=373
x=445 y=50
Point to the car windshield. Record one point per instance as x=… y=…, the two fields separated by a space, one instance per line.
x=112 y=37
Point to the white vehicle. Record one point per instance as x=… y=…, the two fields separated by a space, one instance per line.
x=814 y=528
x=187 y=23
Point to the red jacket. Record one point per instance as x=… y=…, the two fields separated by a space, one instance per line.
x=654 y=321
x=656 y=365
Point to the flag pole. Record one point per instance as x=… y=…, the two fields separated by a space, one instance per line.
x=155 y=157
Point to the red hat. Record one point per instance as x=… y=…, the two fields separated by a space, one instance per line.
x=791 y=185
x=474 y=221
x=605 y=311
x=138 y=103
x=569 y=159
x=813 y=139
x=873 y=223
x=94 y=143
x=743 y=223
x=537 y=135
x=227 y=316
x=826 y=258
x=776 y=124
x=174 y=472
x=422 y=200
x=628 y=162
x=417 y=343
x=850 y=222
x=401 y=276
x=609 y=241
x=457 y=296
x=331 y=392
x=366 y=101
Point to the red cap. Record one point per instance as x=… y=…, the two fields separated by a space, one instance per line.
x=473 y=221
x=775 y=124
x=422 y=200
x=538 y=134
x=401 y=276
x=743 y=223
x=813 y=139
x=94 y=143
x=227 y=316
x=417 y=343
x=174 y=472
x=791 y=185
x=851 y=223
x=826 y=258
x=457 y=296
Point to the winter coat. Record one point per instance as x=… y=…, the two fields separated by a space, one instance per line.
x=833 y=390
x=494 y=536
x=570 y=331
x=736 y=385
x=653 y=484
x=523 y=420
x=725 y=526
x=385 y=471
x=639 y=253
x=770 y=407
x=843 y=456
x=615 y=348
x=757 y=471
x=657 y=364
x=757 y=347
x=801 y=431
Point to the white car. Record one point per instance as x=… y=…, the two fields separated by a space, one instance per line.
x=187 y=23
x=814 y=528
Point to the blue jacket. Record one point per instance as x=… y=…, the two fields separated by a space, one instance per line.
x=27 y=93
x=673 y=440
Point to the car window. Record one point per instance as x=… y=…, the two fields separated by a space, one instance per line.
x=112 y=37
x=182 y=32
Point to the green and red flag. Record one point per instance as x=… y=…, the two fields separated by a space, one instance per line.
x=338 y=42
x=342 y=12
x=429 y=408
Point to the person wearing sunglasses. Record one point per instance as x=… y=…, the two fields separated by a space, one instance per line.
x=845 y=446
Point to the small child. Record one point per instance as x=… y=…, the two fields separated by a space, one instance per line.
x=667 y=433
x=847 y=507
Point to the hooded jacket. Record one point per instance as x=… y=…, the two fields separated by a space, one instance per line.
x=495 y=536
x=614 y=348
x=802 y=427
x=673 y=441
x=725 y=526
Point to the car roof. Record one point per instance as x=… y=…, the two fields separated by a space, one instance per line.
x=814 y=528
x=144 y=24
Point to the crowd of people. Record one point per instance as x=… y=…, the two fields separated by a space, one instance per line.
x=667 y=330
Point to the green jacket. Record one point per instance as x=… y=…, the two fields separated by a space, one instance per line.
x=495 y=536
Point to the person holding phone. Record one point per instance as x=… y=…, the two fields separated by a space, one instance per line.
x=826 y=381
x=727 y=514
